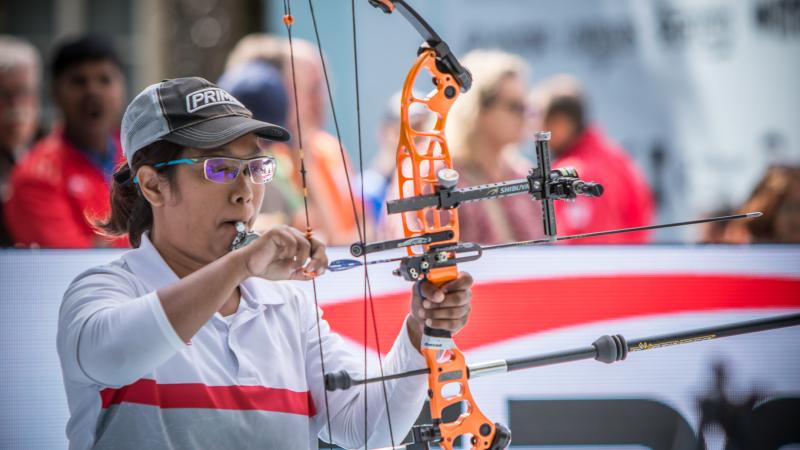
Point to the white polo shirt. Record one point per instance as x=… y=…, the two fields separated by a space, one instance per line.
x=251 y=381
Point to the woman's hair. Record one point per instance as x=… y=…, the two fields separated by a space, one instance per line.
x=131 y=213
x=489 y=69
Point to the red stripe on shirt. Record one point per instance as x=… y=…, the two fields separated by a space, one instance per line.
x=197 y=395
x=509 y=309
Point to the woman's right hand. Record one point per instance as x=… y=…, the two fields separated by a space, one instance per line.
x=284 y=253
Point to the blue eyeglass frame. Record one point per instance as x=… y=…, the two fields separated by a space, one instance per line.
x=203 y=159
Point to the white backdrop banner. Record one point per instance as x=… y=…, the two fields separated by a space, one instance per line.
x=526 y=301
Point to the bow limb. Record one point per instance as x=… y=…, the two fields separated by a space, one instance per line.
x=447 y=59
x=288 y=20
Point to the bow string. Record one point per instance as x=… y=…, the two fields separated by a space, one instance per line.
x=360 y=221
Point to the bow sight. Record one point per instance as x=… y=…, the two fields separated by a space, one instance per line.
x=542 y=183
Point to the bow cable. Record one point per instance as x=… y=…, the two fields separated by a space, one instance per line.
x=367 y=285
x=360 y=224
x=288 y=20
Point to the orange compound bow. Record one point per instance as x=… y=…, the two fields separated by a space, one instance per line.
x=420 y=172
x=427 y=167
x=428 y=202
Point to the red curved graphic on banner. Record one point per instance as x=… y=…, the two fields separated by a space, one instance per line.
x=511 y=309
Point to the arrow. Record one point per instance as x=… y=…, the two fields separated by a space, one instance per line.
x=347 y=264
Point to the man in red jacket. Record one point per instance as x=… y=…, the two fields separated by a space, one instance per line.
x=627 y=200
x=62 y=186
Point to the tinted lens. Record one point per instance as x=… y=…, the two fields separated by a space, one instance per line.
x=222 y=170
x=261 y=170
x=516 y=107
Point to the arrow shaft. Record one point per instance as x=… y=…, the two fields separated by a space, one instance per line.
x=750 y=215
x=346 y=264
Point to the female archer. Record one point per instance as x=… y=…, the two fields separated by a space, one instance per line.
x=184 y=342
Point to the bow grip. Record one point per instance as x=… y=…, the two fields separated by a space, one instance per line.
x=436 y=332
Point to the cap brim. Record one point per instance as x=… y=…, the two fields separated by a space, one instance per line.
x=222 y=130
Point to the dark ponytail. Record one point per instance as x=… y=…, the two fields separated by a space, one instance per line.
x=131 y=213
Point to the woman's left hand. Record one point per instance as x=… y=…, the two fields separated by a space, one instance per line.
x=446 y=307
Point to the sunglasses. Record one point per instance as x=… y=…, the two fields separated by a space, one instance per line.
x=513 y=106
x=224 y=170
x=517 y=107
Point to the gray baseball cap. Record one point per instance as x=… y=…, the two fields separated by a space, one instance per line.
x=192 y=112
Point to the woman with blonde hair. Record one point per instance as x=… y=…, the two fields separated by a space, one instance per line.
x=484 y=129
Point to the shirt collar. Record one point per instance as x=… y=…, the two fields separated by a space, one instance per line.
x=257 y=291
x=147 y=264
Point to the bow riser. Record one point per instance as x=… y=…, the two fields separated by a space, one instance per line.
x=418 y=173
x=417 y=168
x=448 y=384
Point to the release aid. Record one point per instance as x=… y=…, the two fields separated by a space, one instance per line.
x=243 y=236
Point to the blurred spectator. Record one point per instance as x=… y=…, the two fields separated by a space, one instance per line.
x=260 y=87
x=330 y=207
x=380 y=180
x=261 y=84
x=61 y=186
x=259 y=47
x=19 y=111
x=777 y=195
x=484 y=129
x=715 y=232
x=627 y=200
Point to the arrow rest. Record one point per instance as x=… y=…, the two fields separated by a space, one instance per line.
x=414 y=268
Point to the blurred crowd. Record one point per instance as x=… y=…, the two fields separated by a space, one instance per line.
x=54 y=184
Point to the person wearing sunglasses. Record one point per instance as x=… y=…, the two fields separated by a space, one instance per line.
x=488 y=132
x=184 y=342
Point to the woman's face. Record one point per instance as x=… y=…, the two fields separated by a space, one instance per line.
x=198 y=216
x=503 y=119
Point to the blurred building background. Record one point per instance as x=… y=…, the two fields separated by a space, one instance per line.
x=703 y=93
x=155 y=39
